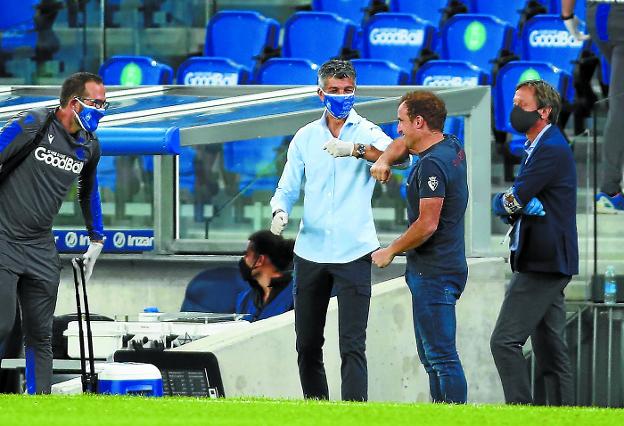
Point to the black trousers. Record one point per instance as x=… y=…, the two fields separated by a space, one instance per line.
x=313 y=287
x=30 y=274
x=533 y=306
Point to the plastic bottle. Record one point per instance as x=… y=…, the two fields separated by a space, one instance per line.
x=610 y=286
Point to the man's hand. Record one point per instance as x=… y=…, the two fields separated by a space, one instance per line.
x=381 y=171
x=279 y=222
x=534 y=208
x=94 y=250
x=572 y=25
x=337 y=148
x=382 y=257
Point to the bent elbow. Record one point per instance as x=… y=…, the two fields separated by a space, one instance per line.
x=431 y=229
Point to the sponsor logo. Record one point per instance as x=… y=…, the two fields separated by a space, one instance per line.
x=450 y=81
x=71 y=239
x=119 y=239
x=131 y=75
x=211 y=79
x=529 y=74
x=140 y=241
x=461 y=156
x=50 y=138
x=396 y=37
x=60 y=161
x=475 y=36
x=433 y=182
x=553 y=38
x=122 y=240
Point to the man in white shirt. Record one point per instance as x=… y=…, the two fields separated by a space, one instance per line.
x=337 y=232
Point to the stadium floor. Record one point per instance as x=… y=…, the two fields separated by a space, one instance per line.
x=111 y=410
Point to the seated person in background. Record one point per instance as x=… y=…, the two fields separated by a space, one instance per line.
x=267 y=267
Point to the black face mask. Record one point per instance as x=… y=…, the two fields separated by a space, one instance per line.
x=245 y=270
x=522 y=120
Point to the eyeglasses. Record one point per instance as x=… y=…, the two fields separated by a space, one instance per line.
x=347 y=91
x=99 y=104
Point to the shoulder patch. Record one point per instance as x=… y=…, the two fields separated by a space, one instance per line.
x=433 y=182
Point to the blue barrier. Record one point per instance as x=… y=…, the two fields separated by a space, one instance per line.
x=139 y=141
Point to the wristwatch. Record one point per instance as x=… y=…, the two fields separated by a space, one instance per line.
x=360 y=150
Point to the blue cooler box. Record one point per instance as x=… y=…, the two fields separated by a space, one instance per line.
x=128 y=378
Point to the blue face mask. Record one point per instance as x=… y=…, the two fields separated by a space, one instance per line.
x=89 y=117
x=339 y=105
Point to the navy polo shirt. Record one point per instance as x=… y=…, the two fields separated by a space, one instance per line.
x=440 y=173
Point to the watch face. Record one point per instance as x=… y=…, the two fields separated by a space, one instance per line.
x=361 y=150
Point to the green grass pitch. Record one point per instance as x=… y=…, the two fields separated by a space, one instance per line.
x=82 y=410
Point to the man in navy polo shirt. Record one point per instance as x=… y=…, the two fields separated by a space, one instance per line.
x=437 y=196
x=541 y=207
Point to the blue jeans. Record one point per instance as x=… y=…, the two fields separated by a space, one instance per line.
x=433 y=302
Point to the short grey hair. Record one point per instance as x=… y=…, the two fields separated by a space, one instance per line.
x=545 y=96
x=335 y=68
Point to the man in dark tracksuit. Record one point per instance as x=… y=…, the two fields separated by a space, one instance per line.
x=541 y=206
x=605 y=24
x=31 y=196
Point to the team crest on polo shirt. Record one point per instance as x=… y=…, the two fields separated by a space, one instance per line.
x=432 y=182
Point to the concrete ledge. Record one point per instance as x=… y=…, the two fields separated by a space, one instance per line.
x=262 y=361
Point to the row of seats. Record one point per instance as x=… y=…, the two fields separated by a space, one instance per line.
x=400 y=38
x=434 y=10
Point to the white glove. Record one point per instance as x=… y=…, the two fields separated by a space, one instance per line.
x=279 y=222
x=90 y=257
x=338 y=148
x=572 y=27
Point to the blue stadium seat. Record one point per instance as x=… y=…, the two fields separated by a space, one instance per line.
x=579 y=8
x=211 y=71
x=135 y=71
x=287 y=71
x=353 y=10
x=508 y=78
x=397 y=37
x=455 y=126
x=214 y=290
x=106 y=173
x=545 y=39
x=448 y=73
x=475 y=38
x=377 y=72
x=241 y=36
x=509 y=10
x=17 y=25
x=254 y=160
x=18 y=15
x=317 y=36
x=186 y=168
x=430 y=11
